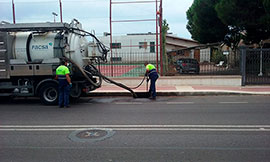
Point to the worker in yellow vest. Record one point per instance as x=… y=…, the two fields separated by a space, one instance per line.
x=64 y=80
x=151 y=72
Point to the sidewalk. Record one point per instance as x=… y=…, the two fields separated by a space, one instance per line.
x=185 y=90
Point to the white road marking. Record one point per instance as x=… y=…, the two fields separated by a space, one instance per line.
x=178 y=103
x=145 y=129
x=128 y=103
x=233 y=102
x=228 y=128
x=128 y=126
x=168 y=103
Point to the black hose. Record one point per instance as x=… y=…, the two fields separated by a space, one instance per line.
x=139 y=84
x=28 y=47
x=96 y=85
x=101 y=47
x=119 y=84
x=106 y=79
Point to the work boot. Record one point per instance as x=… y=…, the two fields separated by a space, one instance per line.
x=152 y=98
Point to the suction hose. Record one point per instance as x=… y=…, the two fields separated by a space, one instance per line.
x=139 y=84
x=119 y=85
x=97 y=85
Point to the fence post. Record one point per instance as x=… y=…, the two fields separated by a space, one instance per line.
x=243 y=50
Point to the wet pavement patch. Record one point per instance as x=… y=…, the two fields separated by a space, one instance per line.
x=142 y=95
x=91 y=135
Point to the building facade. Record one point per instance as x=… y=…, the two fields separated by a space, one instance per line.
x=142 y=47
x=132 y=47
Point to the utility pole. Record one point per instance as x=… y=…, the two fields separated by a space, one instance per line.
x=13 y=11
x=111 y=61
x=61 y=16
x=160 y=35
x=157 y=18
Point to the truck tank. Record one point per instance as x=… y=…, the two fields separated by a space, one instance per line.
x=47 y=46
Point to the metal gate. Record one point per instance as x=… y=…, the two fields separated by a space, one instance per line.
x=255 y=66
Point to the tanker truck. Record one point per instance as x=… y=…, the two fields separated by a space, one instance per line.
x=31 y=52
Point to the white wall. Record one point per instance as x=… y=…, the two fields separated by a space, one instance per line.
x=130 y=51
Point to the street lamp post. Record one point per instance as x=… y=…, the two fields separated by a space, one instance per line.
x=54 y=14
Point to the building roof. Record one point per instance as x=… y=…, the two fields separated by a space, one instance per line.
x=201 y=46
x=149 y=33
x=179 y=38
x=175 y=44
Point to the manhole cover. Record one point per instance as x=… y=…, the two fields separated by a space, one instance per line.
x=91 y=135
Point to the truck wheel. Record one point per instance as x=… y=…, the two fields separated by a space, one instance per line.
x=48 y=94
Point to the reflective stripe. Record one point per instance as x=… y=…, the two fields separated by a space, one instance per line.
x=61 y=77
x=152 y=71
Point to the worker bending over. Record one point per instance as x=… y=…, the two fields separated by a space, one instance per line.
x=151 y=72
x=62 y=75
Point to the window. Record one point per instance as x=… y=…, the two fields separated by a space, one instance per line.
x=152 y=47
x=142 y=45
x=116 y=59
x=115 y=45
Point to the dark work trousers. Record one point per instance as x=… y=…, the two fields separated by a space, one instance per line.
x=64 y=90
x=153 y=76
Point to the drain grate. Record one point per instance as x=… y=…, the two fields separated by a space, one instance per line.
x=91 y=135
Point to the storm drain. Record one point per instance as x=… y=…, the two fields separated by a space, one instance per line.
x=91 y=135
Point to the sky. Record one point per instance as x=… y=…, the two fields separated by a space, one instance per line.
x=94 y=14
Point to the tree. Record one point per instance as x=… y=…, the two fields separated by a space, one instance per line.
x=165 y=29
x=203 y=22
x=250 y=18
x=213 y=20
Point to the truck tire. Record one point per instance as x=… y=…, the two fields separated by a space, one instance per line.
x=48 y=94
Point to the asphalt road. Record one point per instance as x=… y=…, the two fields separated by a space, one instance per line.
x=123 y=129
